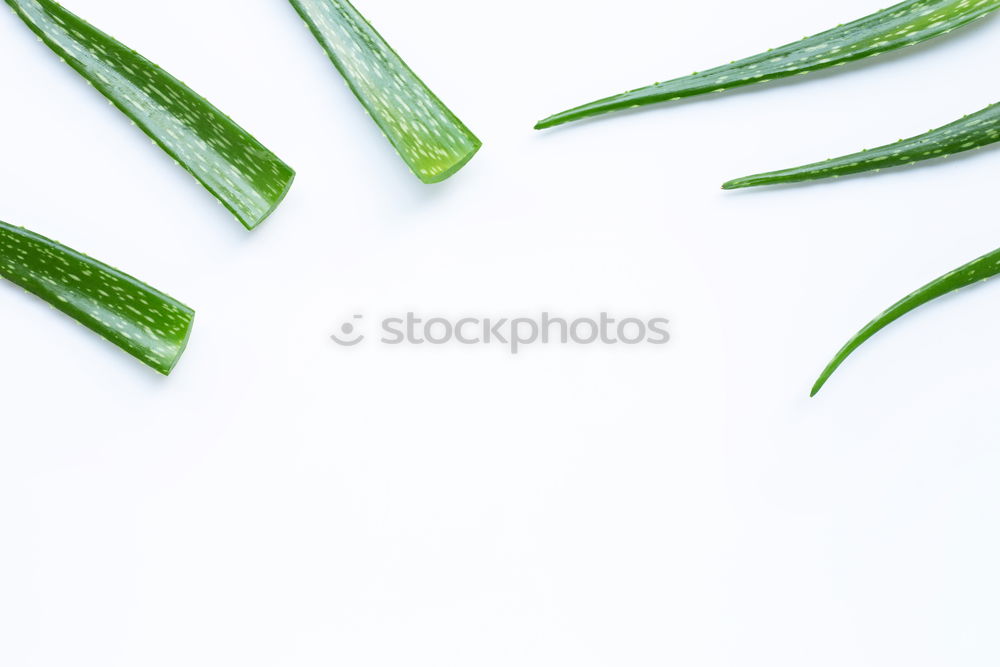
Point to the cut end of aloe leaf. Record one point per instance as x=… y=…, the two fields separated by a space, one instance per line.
x=180 y=348
x=444 y=174
x=252 y=223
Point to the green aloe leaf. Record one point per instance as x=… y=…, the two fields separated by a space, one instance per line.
x=245 y=176
x=147 y=324
x=901 y=25
x=432 y=141
x=973 y=131
x=978 y=270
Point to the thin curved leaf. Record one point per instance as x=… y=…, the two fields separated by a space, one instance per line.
x=432 y=141
x=973 y=131
x=245 y=176
x=978 y=270
x=901 y=25
x=149 y=325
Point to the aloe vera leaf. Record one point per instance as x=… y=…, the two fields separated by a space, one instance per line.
x=975 y=271
x=973 y=131
x=245 y=176
x=432 y=141
x=147 y=324
x=901 y=25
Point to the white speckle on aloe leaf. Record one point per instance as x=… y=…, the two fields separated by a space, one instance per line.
x=246 y=177
x=427 y=135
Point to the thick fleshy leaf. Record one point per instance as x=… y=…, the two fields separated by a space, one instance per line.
x=432 y=141
x=245 y=176
x=978 y=270
x=901 y=25
x=144 y=322
x=973 y=131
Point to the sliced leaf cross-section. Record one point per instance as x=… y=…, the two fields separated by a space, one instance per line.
x=244 y=176
x=432 y=141
x=144 y=322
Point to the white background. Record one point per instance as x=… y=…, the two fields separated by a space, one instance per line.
x=281 y=501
